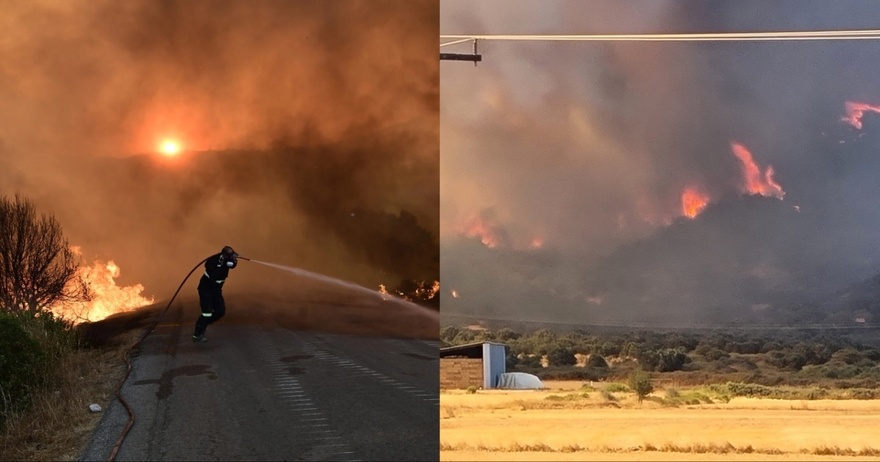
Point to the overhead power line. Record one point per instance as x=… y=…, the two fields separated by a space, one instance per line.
x=858 y=34
x=862 y=34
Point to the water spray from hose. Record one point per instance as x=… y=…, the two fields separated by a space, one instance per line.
x=341 y=283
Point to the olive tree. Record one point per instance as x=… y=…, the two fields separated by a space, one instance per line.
x=37 y=266
x=640 y=382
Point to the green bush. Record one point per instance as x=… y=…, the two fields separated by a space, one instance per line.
x=23 y=366
x=561 y=356
x=567 y=373
x=597 y=361
x=640 y=382
x=616 y=388
x=56 y=335
x=587 y=388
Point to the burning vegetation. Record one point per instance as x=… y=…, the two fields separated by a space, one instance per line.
x=693 y=202
x=106 y=298
x=40 y=272
x=421 y=293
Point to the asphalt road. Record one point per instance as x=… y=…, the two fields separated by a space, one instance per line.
x=272 y=387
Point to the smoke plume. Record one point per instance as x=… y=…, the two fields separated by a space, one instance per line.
x=675 y=182
x=309 y=132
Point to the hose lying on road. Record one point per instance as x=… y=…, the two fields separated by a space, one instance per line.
x=128 y=364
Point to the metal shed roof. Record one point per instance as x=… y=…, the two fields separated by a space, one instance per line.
x=470 y=350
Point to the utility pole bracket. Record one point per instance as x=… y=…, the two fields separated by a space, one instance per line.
x=463 y=56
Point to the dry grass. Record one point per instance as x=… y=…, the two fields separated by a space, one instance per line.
x=569 y=420
x=725 y=448
x=59 y=424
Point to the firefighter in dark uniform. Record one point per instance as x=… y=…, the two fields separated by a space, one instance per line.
x=211 y=290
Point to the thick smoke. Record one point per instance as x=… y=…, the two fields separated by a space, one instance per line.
x=589 y=145
x=310 y=130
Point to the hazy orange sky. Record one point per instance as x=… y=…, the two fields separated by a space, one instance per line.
x=337 y=102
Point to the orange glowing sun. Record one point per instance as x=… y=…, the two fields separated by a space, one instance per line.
x=169 y=148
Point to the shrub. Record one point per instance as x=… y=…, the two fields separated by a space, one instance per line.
x=561 y=356
x=714 y=354
x=597 y=361
x=616 y=388
x=529 y=362
x=23 y=366
x=511 y=361
x=569 y=373
x=640 y=382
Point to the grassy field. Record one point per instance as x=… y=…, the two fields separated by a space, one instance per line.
x=575 y=421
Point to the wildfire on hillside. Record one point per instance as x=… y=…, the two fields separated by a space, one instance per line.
x=754 y=181
x=855 y=111
x=478 y=228
x=693 y=202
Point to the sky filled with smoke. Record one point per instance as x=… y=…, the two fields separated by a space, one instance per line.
x=654 y=181
x=310 y=131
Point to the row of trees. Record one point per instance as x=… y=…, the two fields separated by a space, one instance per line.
x=675 y=350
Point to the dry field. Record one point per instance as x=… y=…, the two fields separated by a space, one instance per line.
x=565 y=423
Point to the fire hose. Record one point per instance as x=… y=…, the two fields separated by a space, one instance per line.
x=128 y=363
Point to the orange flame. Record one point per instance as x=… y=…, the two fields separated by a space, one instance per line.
x=755 y=183
x=107 y=297
x=693 y=202
x=423 y=292
x=855 y=111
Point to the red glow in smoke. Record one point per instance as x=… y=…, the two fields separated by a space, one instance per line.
x=477 y=228
x=855 y=111
x=693 y=202
x=755 y=182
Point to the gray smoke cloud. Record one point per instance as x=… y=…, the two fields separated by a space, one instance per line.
x=310 y=131
x=587 y=147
